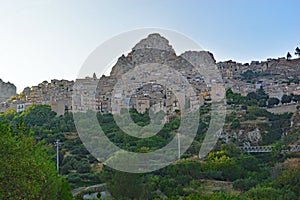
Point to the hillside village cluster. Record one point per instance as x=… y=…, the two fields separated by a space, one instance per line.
x=276 y=76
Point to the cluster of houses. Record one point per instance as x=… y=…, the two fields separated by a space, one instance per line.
x=277 y=76
x=57 y=93
x=158 y=87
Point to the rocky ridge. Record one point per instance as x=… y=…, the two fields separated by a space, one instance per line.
x=7 y=90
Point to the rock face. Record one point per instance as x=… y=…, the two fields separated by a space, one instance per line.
x=154 y=41
x=243 y=137
x=204 y=57
x=153 y=49
x=122 y=66
x=7 y=90
x=205 y=63
x=156 y=49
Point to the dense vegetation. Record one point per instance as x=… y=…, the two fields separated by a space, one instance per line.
x=26 y=170
x=258 y=98
x=27 y=151
x=223 y=172
x=250 y=75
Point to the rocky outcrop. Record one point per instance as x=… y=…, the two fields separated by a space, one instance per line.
x=153 y=49
x=7 y=90
x=123 y=65
x=243 y=137
x=156 y=49
x=154 y=41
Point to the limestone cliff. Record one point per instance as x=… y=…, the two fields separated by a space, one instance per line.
x=7 y=90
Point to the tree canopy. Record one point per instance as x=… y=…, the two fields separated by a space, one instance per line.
x=26 y=170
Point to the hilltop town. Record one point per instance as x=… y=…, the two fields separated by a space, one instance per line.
x=277 y=77
x=260 y=130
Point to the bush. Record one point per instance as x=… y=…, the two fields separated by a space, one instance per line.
x=272 y=102
x=83 y=167
x=270 y=193
x=286 y=99
x=235 y=124
x=74 y=178
x=66 y=168
x=250 y=116
x=244 y=184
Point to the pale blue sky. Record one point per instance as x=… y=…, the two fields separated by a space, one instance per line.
x=47 y=39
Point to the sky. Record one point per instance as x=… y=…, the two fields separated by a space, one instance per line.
x=50 y=39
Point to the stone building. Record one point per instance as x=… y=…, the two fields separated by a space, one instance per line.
x=84 y=95
x=57 y=93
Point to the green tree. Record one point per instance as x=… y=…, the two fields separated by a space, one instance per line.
x=262 y=94
x=262 y=103
x=26 y=170
x=123 y=185
x=235 y=124
x=38 y=115
x=273 y=101
x=220 y=162
x=266 y=193
x=290 y=180
x=248 y=75
x=286 y=99
x=83 y=167
x=231 y=150
x=252 y=95
x=234 y=98
x=288 y=56
x=296 y=98
x=244 y=184
x=297 y=52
